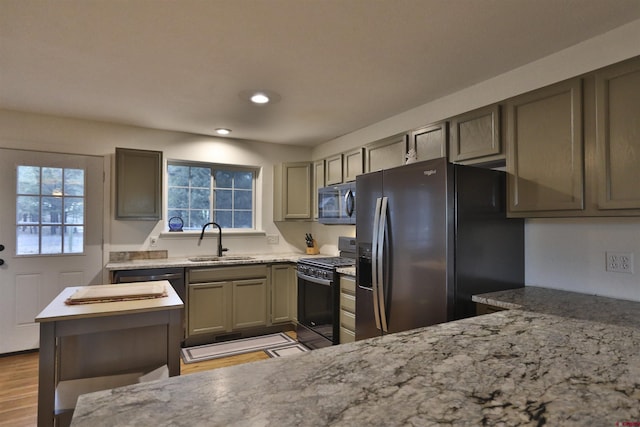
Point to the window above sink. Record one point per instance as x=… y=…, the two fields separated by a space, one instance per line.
x=199 y=193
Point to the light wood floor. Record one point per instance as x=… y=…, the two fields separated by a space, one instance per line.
x=19 y=383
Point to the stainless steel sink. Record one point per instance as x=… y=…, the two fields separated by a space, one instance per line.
x=219 y=258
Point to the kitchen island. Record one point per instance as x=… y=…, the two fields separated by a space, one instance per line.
x=113 y=336
x=514 y=367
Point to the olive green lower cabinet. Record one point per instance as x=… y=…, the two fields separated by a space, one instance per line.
x=347 y=309
x=225 y=299
x=284 y=293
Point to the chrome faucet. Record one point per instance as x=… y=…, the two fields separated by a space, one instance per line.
x=220 y=248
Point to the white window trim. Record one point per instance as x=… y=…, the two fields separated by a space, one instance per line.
x=257 y=209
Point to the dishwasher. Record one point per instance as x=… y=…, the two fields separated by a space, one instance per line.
x=174 y=275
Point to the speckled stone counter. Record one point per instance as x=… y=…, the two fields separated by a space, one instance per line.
x=222 y=261
x=348 y=271
x=507 y=368
x=567 y=304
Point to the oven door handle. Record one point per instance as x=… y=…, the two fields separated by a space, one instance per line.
x=316 y=280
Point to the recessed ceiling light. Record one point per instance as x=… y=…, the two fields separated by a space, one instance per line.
x=259 y=98
x=223 y=131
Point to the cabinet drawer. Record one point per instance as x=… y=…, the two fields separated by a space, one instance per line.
x=347 y=336
x=348 y=284
x=347 y=320
x=216 y=274
x=348 y=302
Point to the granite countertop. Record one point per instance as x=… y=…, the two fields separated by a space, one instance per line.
x=349 y=271
x=513 y=367
x=224 y=260
x=567 y=304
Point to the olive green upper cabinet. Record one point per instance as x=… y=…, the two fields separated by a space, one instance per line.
x=618 y=136
x=138 y=184
x=318 y=182
x=475 y=136
x=292 y=191
x=545 y=150
x=352 y=163
x=333 y=169
x=386 y=153
x=430 y=142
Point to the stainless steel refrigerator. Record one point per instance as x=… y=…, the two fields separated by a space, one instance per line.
x=429 y=236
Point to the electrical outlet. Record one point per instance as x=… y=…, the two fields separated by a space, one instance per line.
x=273 y=239
x=153 y=241
x=620 y=262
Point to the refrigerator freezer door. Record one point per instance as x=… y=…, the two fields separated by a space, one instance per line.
x=420 y=240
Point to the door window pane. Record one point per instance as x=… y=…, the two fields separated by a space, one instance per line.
x=28 y=210
x=51 y=240
x=74 y=210
x=73 y=239
x=73 y=182
x=52 y=181
x=28 y=180
x=49 y=210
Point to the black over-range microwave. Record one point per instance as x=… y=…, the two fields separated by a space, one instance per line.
x=337 y=204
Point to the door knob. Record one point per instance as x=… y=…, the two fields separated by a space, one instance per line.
x=1 y=248
x=1 y=261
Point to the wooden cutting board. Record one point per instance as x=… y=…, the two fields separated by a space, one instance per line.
x=110 y=293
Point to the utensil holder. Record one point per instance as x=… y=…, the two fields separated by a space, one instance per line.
x=313 y=250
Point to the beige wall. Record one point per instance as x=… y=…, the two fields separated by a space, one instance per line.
x=56 y=134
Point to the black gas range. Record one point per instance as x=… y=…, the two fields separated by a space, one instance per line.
x=323 y=267
x=318 y=296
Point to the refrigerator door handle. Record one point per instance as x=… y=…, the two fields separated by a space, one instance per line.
x=380 y=263
x=374 y=263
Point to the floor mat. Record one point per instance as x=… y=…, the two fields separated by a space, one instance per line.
x=241 y=346
x=286 y=350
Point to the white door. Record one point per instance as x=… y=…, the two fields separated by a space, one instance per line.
x=51 y=207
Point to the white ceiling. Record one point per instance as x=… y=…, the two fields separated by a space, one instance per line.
x=338 y=65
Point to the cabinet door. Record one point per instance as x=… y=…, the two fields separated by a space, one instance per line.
x=249 y=303
x=283 y=293
x=138 y=184
x=618 y=136
x=430 y=142
x=333 y=170
x=476 y=135
x=292 y=191
x=545 y=146
x=209 y=308
x=386 y=153
x=318 y=182
x=352 y=165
